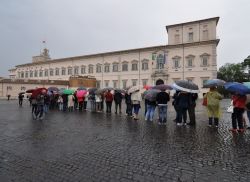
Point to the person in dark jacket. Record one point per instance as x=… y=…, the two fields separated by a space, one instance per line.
x=162 y=99
x=191 y=109
x=20 y=98
x=118 y=101
x=128 y=102
x=183 y=104
x=109 y=99
x=65 y=102
x=175 y=104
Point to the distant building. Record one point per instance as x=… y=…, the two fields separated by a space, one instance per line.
x=191 y=53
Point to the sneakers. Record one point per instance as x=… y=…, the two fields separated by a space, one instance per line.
x=179 y=124
x=210 y=125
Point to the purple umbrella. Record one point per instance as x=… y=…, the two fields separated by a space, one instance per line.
x=162 y=87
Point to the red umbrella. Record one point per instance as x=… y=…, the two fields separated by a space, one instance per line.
x=39 y=91
x=81 y=93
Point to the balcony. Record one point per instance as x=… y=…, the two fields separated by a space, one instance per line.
x=159 y=72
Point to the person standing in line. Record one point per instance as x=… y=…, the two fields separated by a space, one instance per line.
x=75 y=101
x=191 y=109
x=85 y=101
x=175 y=104
x=8 y=96
x=239 y=102
x=40 y=106
x=20 y=98
x=213 y=106
x=151 y=105
x=65 y=102
x=118 y=101
x=70 y=103
x=145 y=106
x=60 y=103
x=183 y=104
x=98 y=99
x=80 y=102
x=109 y=99
x=128 y=102
x=162 y=99
x=102 y=102
x=136 y=100
x=33 y=104
x=46 y=103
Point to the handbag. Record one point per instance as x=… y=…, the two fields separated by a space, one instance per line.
x=230 y=109
x=204 y=103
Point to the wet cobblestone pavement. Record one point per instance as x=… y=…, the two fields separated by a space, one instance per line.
x=85 y=146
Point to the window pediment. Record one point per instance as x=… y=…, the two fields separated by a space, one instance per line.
x=134 y=61
x=190 y=56
x=176 y=57
x=204 y=54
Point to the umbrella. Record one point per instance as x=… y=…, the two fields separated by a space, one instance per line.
x=81 y=93
x=39 y=91
x=151 y=94
x=82 y=88
x=237 y=88
x=68 y=91
x=247 y=84
x=120 y=90
x=98 y=91
x=162 y=87
x=30 y=91
x=133 y=89
x=214 y=83
x=61 y=90
x=21 y=93
x=92 y=90
x=186 y=86
x=107 y=88
x=53 y=89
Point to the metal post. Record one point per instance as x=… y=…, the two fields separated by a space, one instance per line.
x=102 y=70
x=182 y=55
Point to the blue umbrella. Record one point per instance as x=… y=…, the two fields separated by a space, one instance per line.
x=237 y=88
x=214 y=83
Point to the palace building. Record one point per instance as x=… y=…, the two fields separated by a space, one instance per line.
x=191 y=53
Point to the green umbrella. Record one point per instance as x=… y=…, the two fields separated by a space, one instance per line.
x=68 y=91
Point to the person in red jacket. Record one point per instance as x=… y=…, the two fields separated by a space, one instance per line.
x=237 y=115
x=109 y=99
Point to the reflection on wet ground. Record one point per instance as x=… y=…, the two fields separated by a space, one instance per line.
x=86 y=146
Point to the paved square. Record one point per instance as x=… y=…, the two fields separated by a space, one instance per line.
x=85 y=146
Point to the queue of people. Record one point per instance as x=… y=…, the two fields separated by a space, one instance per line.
x=184 y=104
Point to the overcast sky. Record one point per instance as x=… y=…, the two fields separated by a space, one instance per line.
x=79 y=27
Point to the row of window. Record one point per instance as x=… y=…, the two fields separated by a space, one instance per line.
x=190 y=61
x=114 y=83
x=81 y=70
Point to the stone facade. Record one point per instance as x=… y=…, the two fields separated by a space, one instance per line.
x=190 y=54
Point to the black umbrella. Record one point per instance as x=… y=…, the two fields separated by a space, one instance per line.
x=186 y=86
x=21 y=93
x=151 y=94
x=92 y=90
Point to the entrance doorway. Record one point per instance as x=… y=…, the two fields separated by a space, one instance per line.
x=159 y=82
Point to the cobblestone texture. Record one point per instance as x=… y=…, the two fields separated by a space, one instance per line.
x=85 y=146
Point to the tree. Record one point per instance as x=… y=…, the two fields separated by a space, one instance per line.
x=232 y=72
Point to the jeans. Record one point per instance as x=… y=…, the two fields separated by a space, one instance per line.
x=98 y=106
x=34 y=108
x=150 y=112
x=129 y=109
x=20 y=102
x=46 y=108
x=118 y=104
x=182 y=114
x=163 y=113
x=60 y=106
x=237 y=116
x=39 y=111
x=65 y=104
x=108 y=106
x=136 y=108
x=92 y=105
